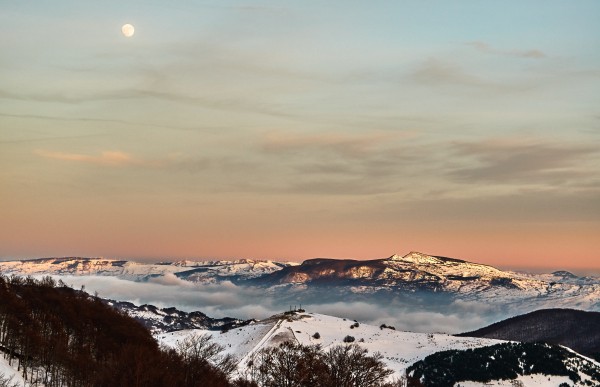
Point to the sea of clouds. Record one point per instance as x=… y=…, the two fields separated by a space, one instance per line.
x=226 y=299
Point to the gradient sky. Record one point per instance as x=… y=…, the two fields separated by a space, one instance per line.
x=299 y=129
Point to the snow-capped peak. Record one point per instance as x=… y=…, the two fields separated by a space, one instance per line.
x=420 y=258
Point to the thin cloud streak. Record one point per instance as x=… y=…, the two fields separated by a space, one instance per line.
x=486 y=48
x=106 y=158
x=88 y=119
x=54 y=138
x=526 y=162
x=226 y=104
x=341 y=143
x=437 y=72
x=520 y=207
x=169 y=163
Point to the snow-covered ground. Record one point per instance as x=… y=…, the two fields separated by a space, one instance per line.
x=7 y=372
x=399 y=349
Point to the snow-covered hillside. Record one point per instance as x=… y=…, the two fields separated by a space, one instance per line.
x=399 y=349
x=9 y=373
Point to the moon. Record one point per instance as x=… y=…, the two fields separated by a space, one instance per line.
x=128 y=30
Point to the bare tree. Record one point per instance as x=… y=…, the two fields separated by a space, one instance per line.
x=289 y=365
x=295 y=365
x=198 y=348
x=351 y=366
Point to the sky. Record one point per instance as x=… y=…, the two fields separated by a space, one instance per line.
x=297 y=129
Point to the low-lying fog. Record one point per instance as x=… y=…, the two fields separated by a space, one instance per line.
x=229 y=300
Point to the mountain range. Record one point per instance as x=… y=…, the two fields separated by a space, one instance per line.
x=414 y=277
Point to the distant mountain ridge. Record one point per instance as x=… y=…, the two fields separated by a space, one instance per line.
x=576 y=329
x=414 y=278
x=422 y=270
x=203 y=271
x=171 y=319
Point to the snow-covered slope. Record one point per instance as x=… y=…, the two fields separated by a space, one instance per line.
x=400 y=349
x=7 y=372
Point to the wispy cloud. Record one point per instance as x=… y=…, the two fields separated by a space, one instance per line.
x=440 y=71
x=524 y=161
x=485 y=47
x=211 y=102
x=107 y=158
x=170 y=163
x=437 y=71
x=340 y=143
x=53 y=138
x=86 y=119
x=335 y=163
x=515 y=208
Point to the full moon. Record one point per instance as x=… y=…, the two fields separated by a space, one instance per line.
x=128 y=30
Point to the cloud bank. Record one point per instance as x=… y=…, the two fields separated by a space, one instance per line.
x=229 y=300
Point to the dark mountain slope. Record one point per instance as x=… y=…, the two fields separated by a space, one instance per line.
x=325 y=271
x=576 y=329
x=414 y=272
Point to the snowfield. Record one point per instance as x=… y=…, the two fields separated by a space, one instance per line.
x=399 y=349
